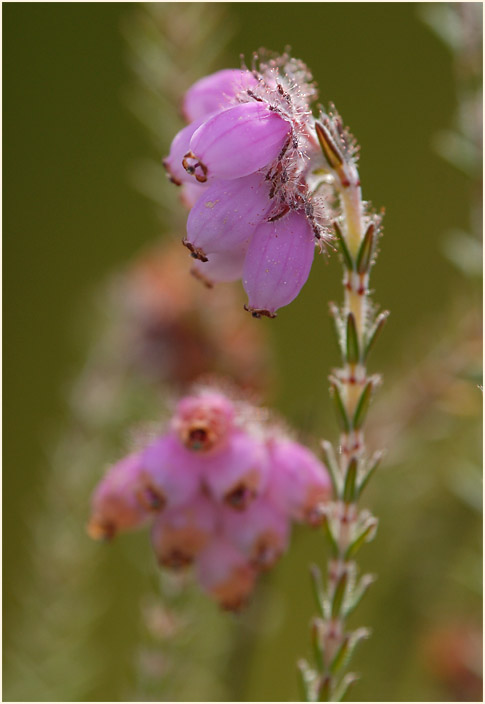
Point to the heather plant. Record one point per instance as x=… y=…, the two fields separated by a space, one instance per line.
x=268 y=182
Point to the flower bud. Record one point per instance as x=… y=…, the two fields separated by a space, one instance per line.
x=215 y=92
x=298 y=482
x=278 y=262
x=228 y=214
x=261 y=532
x=115 y=506
x=236 y=142
x=225 y=574
x=180 y=533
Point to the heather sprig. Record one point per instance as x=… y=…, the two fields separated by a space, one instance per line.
x=357 y=325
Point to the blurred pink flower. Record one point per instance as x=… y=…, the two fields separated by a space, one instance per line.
x=221 y=489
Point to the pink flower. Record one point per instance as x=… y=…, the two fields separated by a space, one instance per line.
x=180 y=533
x=299 y=483
x=277 y=263
x=170 y=474
x=261 y=532
x=253 y=141
x=236 y=142
x=225 y=574
x=215 y=92
x=238 y=475
x=225 y=219
x=220 y=489
x=115 y=505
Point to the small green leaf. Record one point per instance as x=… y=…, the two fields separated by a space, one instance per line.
x=317 y=644
x=350 y=479
x=341 y=656
x=344 y=250
x=331 y=538
x=365 y=536
x=305 y=680
x=338 y=327
x=359 y=592
x=374 y=463
x=339 y=594
x=328 y=146
x=332 y=466
x=352 y=338
x=344 y=686
x=375 y=332
x=317 y=588
x=324 y=692
x=342 y=416
x=366 y=250
x=363 y=405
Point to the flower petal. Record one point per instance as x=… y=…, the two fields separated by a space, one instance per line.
x=228 y=214
x=298 y=481
x=236 y=142
x=215 y=92
x=178 y=149
x=220 y=267
x=278 y=262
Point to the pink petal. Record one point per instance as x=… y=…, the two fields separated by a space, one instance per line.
x=171 y=474
x=261 y=532
x=179 y=147
x=237 y=142
x=298 y=481
x=239 y=474
x=191 y=192
x=115 y=505
x=225 y=574
x=278 y=263
x=226 y=217
x=215 y=92
x=180 y=533
x=221 y=266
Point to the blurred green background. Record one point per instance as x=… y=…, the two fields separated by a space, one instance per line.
x=72 y=217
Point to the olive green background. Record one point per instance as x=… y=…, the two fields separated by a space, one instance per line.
x=71 y=217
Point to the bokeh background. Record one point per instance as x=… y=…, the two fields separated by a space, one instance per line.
x=78 y=165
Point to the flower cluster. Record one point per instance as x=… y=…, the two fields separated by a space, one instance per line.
x=220 y=489
x=246 y=164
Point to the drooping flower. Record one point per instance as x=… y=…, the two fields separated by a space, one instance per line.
x=221 y=490
x=252 y=140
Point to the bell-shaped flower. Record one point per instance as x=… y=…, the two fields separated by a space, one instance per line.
x=228 y=214
x=278 y=262
x=215 y=92
x=170 y=475
x=236 y=142
x=238 y=475
x=299 y=483
x=225 y=574
x=115 y=506
x=180 y=533
x=261 y=532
